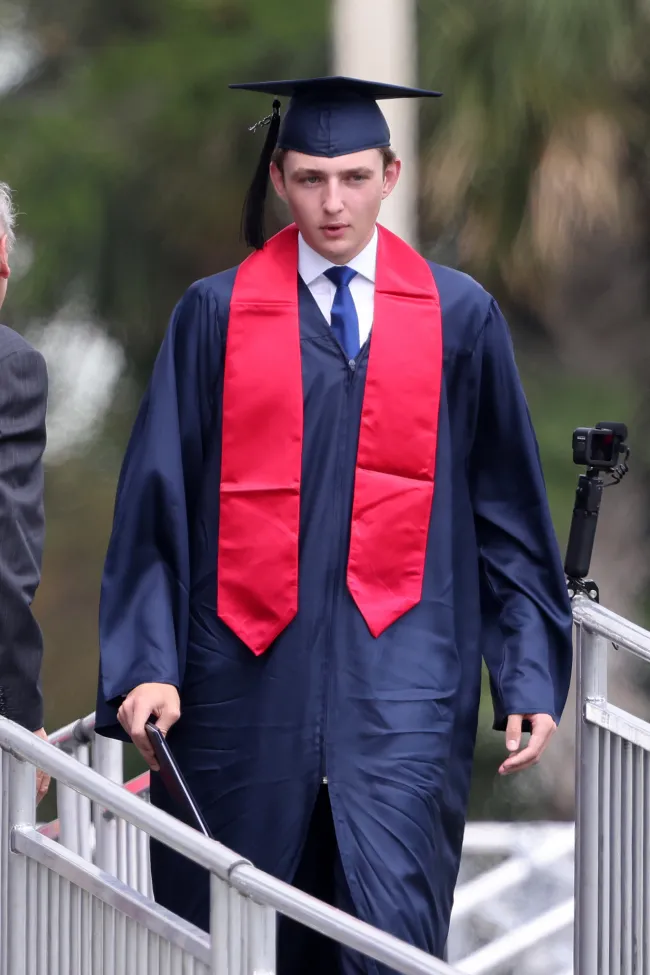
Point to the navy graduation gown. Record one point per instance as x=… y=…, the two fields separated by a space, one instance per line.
x=390 y=721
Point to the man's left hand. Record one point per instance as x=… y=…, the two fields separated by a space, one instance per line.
x=543 y=728
x=42 y=778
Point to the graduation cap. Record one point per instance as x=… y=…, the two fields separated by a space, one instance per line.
x=329 y=117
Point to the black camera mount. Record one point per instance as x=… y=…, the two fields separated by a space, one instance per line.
x=602 y=449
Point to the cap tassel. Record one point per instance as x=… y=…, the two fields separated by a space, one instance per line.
x=253 y=212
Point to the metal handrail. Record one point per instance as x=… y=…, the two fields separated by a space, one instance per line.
x=241 y=875
x=619 y=631
x=78 y=732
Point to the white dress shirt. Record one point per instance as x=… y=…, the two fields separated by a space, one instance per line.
x=312 y=267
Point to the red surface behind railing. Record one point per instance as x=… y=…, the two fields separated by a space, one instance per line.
x=137 y=786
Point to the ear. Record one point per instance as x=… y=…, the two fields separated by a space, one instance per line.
x=5 y=270
x=278 y=181
x=391 y=177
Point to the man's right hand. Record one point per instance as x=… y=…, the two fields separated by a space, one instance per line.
x=161 y=700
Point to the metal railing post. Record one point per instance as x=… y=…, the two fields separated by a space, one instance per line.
x=69 y=824
x=591 y=685
x=262 y=934
x=243 y=933
x=220 y=927
x=21 y=812
x=107 y=760
x=84 y=814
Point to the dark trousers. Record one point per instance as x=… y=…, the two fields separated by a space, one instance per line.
x=302 y=951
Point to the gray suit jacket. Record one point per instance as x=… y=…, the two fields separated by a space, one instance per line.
x=23 y=401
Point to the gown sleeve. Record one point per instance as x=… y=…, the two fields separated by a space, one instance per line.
x=526 y=611
x=143 y=618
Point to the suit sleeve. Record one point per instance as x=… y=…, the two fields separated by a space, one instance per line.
x=526 y=611
x=23 y=404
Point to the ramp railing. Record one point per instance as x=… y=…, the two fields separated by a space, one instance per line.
x=62 y=915
x=612 y=879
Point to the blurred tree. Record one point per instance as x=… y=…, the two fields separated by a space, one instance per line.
x=129 y=154
x=522 y=154
x=537 y=165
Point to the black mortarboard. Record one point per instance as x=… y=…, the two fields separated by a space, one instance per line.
x=326 y=117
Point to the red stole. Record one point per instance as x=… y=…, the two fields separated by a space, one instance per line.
x=257 y=588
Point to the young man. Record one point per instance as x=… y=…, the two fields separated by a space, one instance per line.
x=331 y=508
x=23 y=404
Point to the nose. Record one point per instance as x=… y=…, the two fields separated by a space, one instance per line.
x=333 y=204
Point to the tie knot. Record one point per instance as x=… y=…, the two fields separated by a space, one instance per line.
x=340 y=275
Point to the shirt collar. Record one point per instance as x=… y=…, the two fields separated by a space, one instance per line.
x=312 y=265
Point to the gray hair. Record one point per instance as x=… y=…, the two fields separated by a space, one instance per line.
x=7 y=215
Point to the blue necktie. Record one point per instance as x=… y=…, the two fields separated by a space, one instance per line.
x=345 y=321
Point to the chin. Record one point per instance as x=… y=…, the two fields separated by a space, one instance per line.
x=336 y=249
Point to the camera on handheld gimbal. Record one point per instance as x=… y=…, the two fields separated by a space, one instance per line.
x=599 y=447
x=602 y=449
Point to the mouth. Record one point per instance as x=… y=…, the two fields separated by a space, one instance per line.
x=334 y=229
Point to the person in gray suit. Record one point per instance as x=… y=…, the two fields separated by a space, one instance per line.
x=23 y=402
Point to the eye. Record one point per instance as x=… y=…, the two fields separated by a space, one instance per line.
x=309 y=180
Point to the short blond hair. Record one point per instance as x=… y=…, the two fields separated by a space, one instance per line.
x=7 y=215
